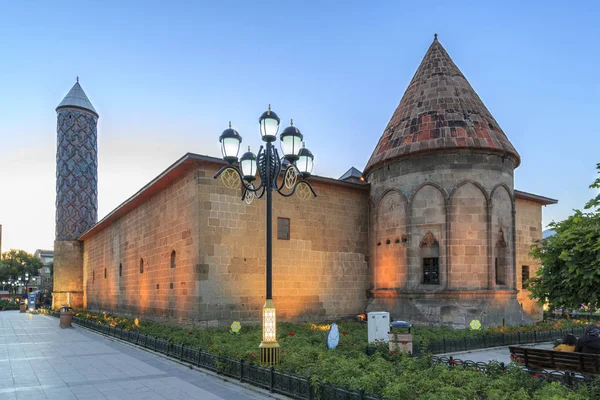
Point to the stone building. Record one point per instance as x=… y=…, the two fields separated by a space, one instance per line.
x=433 y=230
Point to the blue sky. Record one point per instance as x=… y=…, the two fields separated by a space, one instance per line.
x=166 y=77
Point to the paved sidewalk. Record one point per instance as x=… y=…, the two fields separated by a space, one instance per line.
x=500 y=354
x=38 y=360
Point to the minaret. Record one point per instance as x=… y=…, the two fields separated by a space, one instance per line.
x=76 y=192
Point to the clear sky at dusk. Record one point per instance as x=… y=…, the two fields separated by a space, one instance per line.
x=166 y=77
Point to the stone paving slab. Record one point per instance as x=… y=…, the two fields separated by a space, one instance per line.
x=38 y=360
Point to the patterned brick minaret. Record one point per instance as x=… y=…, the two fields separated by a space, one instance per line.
x=76 y=192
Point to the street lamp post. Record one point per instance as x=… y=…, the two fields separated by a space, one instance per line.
x=296 y=165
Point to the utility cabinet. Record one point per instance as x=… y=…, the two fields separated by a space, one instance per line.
x=379 y=326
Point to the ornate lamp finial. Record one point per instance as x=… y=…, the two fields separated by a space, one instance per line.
x=77 y=78
x=435 y=36
x=230 y=124
x=291 y=122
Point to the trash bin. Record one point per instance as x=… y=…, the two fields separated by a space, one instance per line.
x=400 y=337
x=23 y=307
x=66 y=317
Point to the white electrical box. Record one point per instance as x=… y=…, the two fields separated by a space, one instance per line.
x=379 y=326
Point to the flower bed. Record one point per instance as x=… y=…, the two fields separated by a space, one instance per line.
x=383 y=374
x=7 y=306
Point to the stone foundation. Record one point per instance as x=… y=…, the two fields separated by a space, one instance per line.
x=455 y=309
x=68 y=274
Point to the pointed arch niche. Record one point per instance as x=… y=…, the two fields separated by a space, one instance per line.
x=468 y=237
x=430 y=257
x=502 y=273
x=390 y=251
x=500 y=262
x=428 y=226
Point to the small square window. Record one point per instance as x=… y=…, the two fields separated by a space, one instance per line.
x=283 y=228
x=431 y=271
x=171 y=285
x=158 y=286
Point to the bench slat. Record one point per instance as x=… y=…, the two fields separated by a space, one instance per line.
x=558 y=360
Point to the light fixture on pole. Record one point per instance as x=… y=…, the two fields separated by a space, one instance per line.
x=270 y=167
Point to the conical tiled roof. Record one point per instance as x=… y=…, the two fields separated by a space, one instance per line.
x=77 y=98
x=439 y=110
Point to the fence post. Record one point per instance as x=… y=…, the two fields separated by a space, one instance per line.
x=465 y=340
x=503 y=343
x=361 y=393
x=444 y=340
x=310 y=388
x=484 y=344
x=568 y=380
x=199 y=355
x=535 y=336
x=242 y=370
x=519 y=337
x=181 y=354
x=271 y=378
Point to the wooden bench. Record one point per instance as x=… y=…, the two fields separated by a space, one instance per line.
x=556 y=360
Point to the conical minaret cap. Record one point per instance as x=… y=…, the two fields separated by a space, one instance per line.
x=77 y=98
x=439 y=111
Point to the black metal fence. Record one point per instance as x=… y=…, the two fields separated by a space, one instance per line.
x=299 y=387
x=503 y=339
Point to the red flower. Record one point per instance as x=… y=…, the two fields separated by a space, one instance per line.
x=190 y=332
x=344 y=333
x=292 y=334
x=253 y=355
x=393 y=352
x=282 y=350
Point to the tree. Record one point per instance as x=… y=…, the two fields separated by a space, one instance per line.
x=18 y=266
x=570 y=273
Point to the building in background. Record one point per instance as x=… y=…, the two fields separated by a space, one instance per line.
x=45 y=281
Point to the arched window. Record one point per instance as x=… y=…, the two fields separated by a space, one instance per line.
x=120 y=269
x=141 y=265
x=104 y=273
x=93 y=276
x=500 y=259
x=173 y=257
x=430 y=254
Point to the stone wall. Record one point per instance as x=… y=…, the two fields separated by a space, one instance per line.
x=113 y=275
x=68 y=274
x=390 y=251
x=320 y=272
x=529 y=230
x=459 y=200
